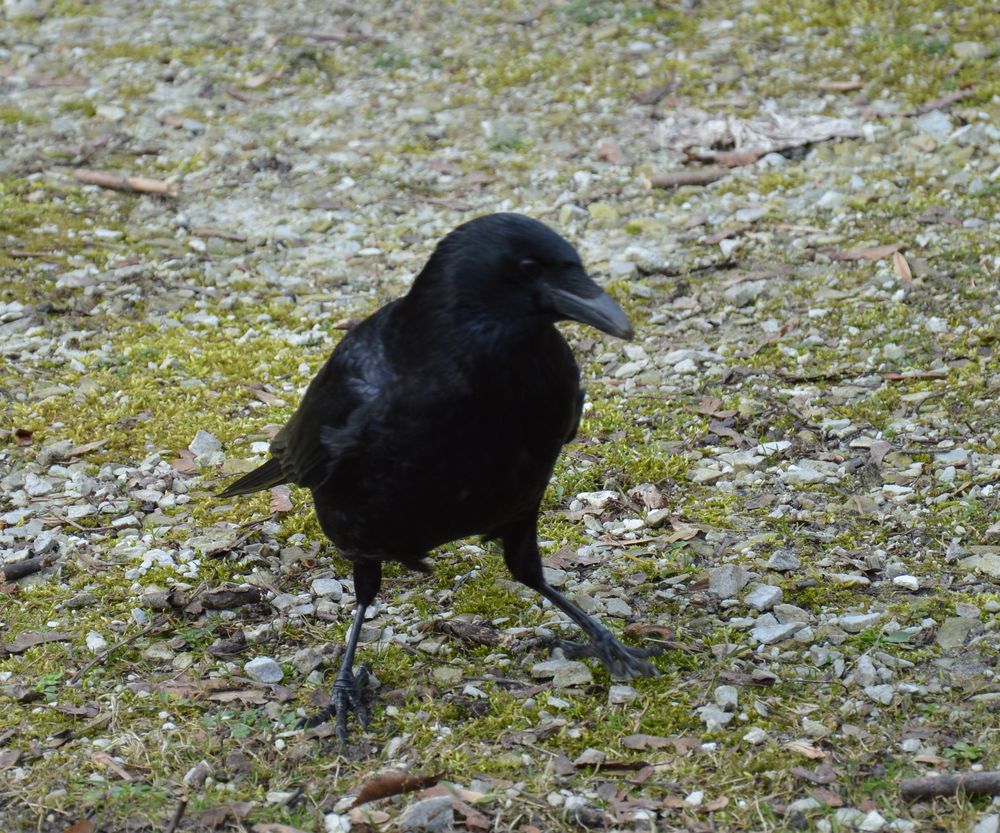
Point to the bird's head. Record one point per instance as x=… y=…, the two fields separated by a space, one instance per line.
x=512 y=268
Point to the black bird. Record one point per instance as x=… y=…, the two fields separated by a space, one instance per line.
x=441 y=416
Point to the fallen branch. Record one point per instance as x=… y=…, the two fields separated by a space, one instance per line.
x=27 y=567
x=970 y=783
x=133 y=184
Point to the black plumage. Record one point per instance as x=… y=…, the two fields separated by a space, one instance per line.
x=441 y=416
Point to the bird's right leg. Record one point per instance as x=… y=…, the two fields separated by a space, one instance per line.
x=520 y=550
x=348 y=690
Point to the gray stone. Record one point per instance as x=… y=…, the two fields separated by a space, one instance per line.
x=619 y=695
x=755 y=736
x=988 y=824
x=727 y=697
x=195 y=777
x=954 y=457
x=727 y=581
x=742 y=294
x=988 y=562
x=264 y=670
x=786 y=613
x=204 y=444
x=618 y=608
x=564 y=672
x=880 y=693
x=307 y=659
x=431 y=815
x=865 y=673
x=783 y=561
x=954 y=631
x=763 y=597
x=803 y=805
x=590 y=757
x=969 y=50
x=935 y=124
x=769 y=634
x=907 y=582
x=714 y=717
x=857 y=622
x=849 y=579
x=447 y=675
x=328 y=587
x=873 y=822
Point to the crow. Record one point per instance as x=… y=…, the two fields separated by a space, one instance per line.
x=441 y=416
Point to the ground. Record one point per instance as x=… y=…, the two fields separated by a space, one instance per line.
x=789 y=479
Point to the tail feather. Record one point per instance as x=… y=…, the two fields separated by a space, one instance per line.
x=262 y=477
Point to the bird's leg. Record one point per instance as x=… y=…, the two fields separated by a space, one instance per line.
x=525 y=563
x=349 y=688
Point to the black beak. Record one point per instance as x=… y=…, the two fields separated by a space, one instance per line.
x=592 y=305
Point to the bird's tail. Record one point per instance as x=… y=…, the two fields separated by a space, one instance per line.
x=262 y=477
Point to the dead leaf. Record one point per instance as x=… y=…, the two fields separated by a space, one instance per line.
x=259 y=80
x=253 y=696
x=729 y=158
x=709 y=405
x=645 y=629
x=214 y=817
x=105 y=760
x=473 y=632
x=938 y=214
x=22 y=436
x=932 y=760
x=840 y=86
x=915 y=374
x=86 y=448
x=264 y=395
x=474 y=820
x=30 y=639
x=902 y=269
x=873 y=253
x=184 y=464
x=610 y=151
x=715 y=804
x=675 y=802
x=653 y=94
x=395 y=782
x=646 y=742
x=649 y=495
x=275 y=828
x=828 y=797
x=805 y=748
x=9 y=758
x=567 y=558
x=725 y=234
x=281 y=499
x=680 y=178
x=82 y=826
x=682 y=531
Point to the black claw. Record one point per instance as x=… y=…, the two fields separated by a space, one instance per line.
x=349 y=695
x=622 y=662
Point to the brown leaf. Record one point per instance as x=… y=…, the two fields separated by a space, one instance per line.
x=902 y=269
x=874 y=253
x=275 y=828
x=709 y=405
x=473 y=632
x=474 y=820
x=227 y=598
x=86 y=448
x=105 y=760
x=22 y=436
x=30 y=639
x=264 y=395
x=827 y=797
x=644 y=629
x=938 y=214
x=610 y=151
x=649 y=495
x=184 y=464
x=653 y=94
x=214 y=817
x=253 y=696
x=281 y=499
x=805 y=748
x=675 y=802
x=840 y=86
x=646 y=742
x=715 y=804
x=395 y=782
x=567 y=557
x=729 y=158
x=82 y=826
x=679 y=178
x=9 y=758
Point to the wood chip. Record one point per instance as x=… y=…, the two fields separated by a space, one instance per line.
x=840 y=86
x=28 y=640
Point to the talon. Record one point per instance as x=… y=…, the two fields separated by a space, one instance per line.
x=348 y=698
x=621 y=661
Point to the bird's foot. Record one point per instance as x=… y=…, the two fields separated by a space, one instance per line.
x=622 y=662
x=349 y=695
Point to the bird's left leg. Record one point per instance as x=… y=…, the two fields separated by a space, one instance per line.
x=520 y=550
x=348 y=690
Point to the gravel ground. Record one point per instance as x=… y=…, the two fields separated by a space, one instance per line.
x=789 y=479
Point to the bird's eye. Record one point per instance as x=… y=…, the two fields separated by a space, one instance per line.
x=531 y=268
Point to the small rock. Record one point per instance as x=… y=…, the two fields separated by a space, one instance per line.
x=336 y=823
x=727 y=697
x=328 y=587
x=907 y=582
x=590 y=757
x=848 y=817
x=742 y=294
x=755 y=736
x=988 y=562
x=968 y=50
x=865 y=673
x=804 y=805
x=618 y=608
x=431 y=815
x=769 y=634
x=195 y=777
x=35 y=485
x=619 y=695
x=204 y=444
x=727 y=581
x=857 y=622
x=264 y=670
x=872 y=823
x=783 y=561
x=988 y=824
x=954 y=631
x=564 y=672
x=307 y=660
x=763 y=597
x=95 y=642
x=849 y=579
x=935 y=124
x=714 y=717
x=880 y=693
